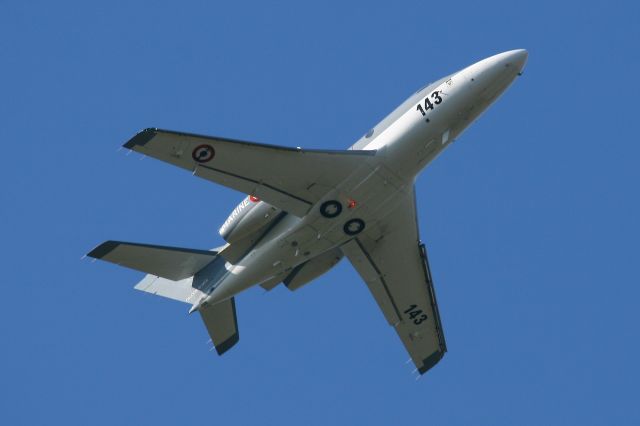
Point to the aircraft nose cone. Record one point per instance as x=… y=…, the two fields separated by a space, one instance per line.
x=503 y=66
x=518 y=58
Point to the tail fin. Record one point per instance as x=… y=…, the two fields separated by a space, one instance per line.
x=222 y=324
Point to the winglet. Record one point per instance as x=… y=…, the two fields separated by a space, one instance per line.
x=141 y=138
x=103 y=249
x=430 y=361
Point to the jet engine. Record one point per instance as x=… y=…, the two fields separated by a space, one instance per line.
x=248 y=217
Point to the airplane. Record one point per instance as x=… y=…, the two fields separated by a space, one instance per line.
x=308 y=208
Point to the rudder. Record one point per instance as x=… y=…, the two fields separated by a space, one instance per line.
x=222 y=324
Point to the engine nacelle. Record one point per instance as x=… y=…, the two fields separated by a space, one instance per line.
x=312 y=269
x=248 y=217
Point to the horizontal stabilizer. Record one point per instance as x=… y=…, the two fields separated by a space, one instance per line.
x=167 y=262
x=222 y=324
x=182 y=291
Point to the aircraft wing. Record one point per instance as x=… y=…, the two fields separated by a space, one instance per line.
x=292 y=179
x=393 y=263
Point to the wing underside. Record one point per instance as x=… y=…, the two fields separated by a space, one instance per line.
x=292 y=179
x=396 y=270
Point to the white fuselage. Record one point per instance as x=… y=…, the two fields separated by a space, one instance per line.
x=405 y=142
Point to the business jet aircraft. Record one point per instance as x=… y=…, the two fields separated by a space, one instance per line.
x=306 y=209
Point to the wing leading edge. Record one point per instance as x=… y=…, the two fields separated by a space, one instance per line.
x=396 y=270
x=292 y=179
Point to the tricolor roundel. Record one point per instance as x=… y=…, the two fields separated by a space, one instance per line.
x=203 y=153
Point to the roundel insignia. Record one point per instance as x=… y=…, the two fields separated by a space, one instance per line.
x=203 y=153
x=330 y=209
x=353 y=226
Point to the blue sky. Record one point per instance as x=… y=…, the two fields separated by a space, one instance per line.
x=530 y=218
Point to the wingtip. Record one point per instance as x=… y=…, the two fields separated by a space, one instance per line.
x=103 y=249
x=430 y=361
x=227 y=344
x=141 y=138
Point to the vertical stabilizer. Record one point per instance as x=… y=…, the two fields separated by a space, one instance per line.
x=222 y=324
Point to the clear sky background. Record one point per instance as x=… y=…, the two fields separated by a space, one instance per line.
x=530 y=218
